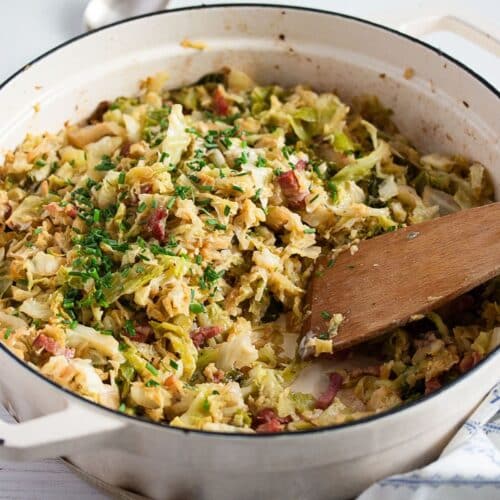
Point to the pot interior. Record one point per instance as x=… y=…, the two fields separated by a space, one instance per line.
x=441 y=108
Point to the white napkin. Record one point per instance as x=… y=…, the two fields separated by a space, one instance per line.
x=468 y=468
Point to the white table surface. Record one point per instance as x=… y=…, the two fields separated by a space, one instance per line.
x=31 y=27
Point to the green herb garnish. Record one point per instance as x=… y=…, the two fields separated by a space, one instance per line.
x=105 y=164
x=151 y=369
x=196 y=308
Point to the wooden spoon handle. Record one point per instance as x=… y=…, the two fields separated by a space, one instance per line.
x=413 y=270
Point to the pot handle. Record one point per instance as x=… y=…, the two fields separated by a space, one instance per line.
x=461 y=18
x=477 y=31
x=73 y=429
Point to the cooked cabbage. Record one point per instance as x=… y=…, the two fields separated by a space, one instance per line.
x=156 y=258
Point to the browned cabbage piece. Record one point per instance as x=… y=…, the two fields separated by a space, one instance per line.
x=81 y=136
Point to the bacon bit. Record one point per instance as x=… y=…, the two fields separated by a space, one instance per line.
x=267 y=421
x=52 y=208
x=289 y=183
x=301 y=165
x=432 y=385
x=170 y=382
x=202 y=334
x=218 y=376
x=291 y=189
x=271 y=426
x=469 y=361
x=213 y=374
x=125 y=149
x=71 y=211
x=98 y=113
x=52 y=346
x=157 y=222
x=142 y=333
x=325 y=399
x=221 y=106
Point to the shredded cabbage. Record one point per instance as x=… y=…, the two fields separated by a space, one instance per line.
x=155 y=259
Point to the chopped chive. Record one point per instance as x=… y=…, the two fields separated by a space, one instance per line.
x=309 y=230
x=129 y=328
x=330 y=263
x=141 y=207
x=40 y=163
x=317 y=171
x=122 y=408
x=261 y=162
x=182 y=192
x=206 y=404
x=227 y=210
x=106 y=164
x=256 y=196
x=8 y=333
x=196 y=308
x=287 y=151
x=216 y=224
x=38 y=230
x=333 y=190
x=242 y=159
x=191 y=130
x=237 y=188
x=106 y=332
x=326 y=315
x=198 y=259
x=151 y=383
x=173 y=364
x=170 y=203
x=151 y=369
x=96 y=215
x=121 y=178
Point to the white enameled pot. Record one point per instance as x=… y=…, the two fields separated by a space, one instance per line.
x=443 y=107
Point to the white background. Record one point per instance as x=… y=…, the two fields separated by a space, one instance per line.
x=31 y=27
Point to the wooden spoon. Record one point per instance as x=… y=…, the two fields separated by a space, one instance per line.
x=397 y=275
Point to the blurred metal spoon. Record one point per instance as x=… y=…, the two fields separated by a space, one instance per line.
x=102 y=12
